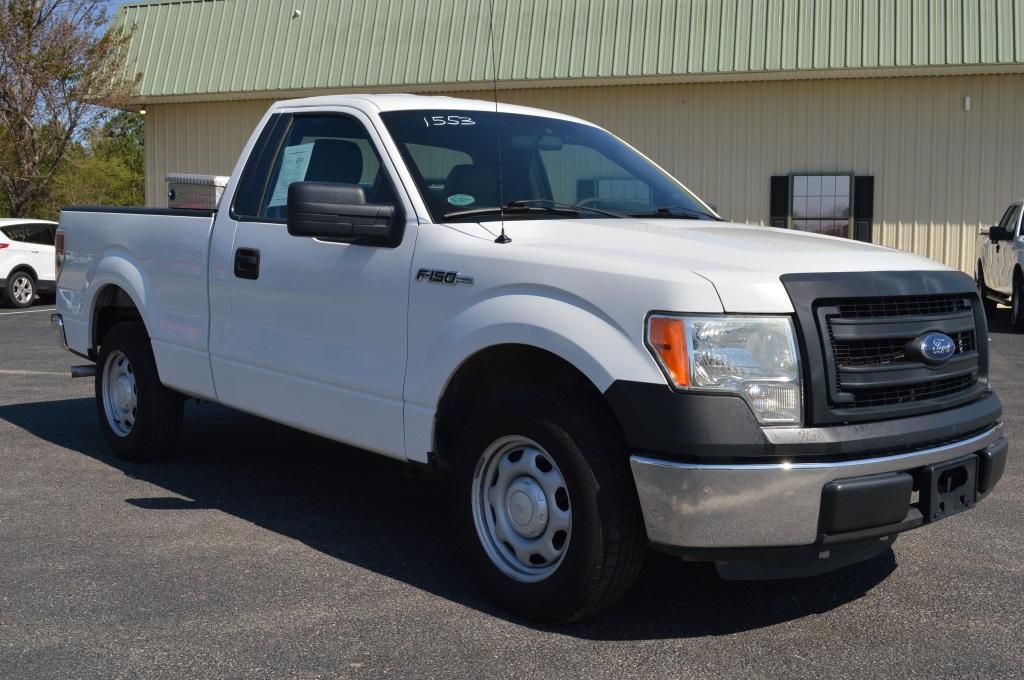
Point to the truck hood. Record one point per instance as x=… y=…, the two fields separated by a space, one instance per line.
x=742 y=262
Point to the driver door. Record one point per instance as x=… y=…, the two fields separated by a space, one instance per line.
x=315 y=335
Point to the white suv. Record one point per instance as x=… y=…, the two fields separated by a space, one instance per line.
x=26 y=259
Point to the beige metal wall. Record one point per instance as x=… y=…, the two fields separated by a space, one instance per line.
x=940 y=171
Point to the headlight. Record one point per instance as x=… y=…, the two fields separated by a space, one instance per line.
x=753 y=357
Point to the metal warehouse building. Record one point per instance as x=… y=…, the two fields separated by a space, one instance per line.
x=898 y=121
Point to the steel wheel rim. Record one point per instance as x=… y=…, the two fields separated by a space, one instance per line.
x=521 y=509
x=120 y=398
x=21 y=289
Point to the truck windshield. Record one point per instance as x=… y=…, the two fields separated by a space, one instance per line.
x=550 y=169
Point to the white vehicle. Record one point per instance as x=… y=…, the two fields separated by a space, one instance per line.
x=999 y=273
x=596 y=359
x=26 y=259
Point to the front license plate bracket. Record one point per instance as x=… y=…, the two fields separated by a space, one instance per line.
x=948 y=488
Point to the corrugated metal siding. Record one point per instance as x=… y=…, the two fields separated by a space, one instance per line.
x=940 y=172
x=219 y=47
x=203 y=138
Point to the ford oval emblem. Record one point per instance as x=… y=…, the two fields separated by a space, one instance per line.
x=937 y=347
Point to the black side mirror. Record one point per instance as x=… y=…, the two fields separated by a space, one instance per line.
x=1000 y=234
x=340 y=212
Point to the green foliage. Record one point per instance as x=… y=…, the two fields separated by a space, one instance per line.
x=109 y=170
x=62 y=69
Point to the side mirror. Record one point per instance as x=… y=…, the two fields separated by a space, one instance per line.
x=1000 y=234
x=338 y=211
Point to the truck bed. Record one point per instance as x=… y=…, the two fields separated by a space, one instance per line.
x=159 y=257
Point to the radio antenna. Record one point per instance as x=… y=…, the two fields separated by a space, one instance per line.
x=503 y=238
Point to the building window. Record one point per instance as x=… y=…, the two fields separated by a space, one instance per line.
x=840 y=205
x=821 y=203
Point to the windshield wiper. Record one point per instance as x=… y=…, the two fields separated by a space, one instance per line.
x=677 y=211
x=558 y=205
x=510 y=209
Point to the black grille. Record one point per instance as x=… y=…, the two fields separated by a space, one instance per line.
x=859 y=333
x=871 y=356
x=912 y=393
x=921 y=305
x=885 y=352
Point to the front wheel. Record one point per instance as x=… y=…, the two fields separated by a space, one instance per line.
x=986 y=301
x=140 y=418
x=1017 y=304
x=546 y=506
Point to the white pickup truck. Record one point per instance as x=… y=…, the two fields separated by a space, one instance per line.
x=526 y=304
x=999 y=272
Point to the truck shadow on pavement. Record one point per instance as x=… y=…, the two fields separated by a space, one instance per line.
x=362 y=509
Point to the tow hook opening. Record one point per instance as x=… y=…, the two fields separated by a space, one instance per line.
x=951 y=480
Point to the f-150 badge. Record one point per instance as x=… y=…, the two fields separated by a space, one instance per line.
x=443 y=276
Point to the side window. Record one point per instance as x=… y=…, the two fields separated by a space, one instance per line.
x=325 y=148
x=15 y=233
x=1015 y=224
x=253 y=180
x=40 y=234
x=1005 y=221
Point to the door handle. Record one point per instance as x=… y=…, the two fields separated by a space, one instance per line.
x=247 y=263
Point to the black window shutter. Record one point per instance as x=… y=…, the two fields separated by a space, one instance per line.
x=779 y=209
x=863 y=206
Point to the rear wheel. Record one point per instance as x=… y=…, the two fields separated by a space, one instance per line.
x=140 y=418
x=21 y=289
x=545 y=504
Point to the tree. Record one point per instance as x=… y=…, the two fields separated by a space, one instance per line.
x=109 y=170
x=59 y=67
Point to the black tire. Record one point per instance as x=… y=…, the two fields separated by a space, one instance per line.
x=1017 y=303
x=158 y=410
x=17 y=281
x=607 y=542
x=986 y=301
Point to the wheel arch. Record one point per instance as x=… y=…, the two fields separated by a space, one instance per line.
x=116 y=280
x=24 y=267
x=602 y=348
x=112 y=304
x=492 y=370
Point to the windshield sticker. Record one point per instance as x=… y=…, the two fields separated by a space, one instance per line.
x=438 y=121
x=461 y=199
x=294 y=163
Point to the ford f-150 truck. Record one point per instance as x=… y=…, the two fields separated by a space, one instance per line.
x=524 y=303
x=999 y=271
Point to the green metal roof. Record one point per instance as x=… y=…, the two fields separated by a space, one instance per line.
x=207 y=49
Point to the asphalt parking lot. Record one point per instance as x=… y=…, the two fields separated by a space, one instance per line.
x=263 y=552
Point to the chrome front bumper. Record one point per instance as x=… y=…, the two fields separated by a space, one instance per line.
x=759 y=505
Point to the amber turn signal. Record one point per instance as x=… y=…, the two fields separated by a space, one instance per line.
x=667 y=337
